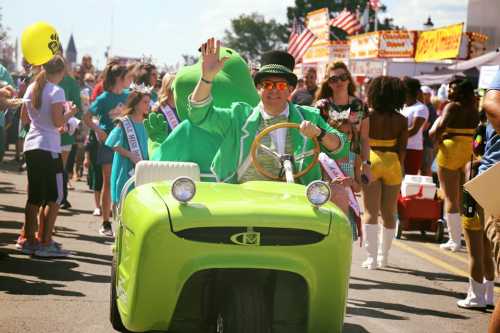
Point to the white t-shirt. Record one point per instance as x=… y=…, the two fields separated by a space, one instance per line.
x=417 y=110
x=43 y=134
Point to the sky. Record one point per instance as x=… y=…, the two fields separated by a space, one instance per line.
x=166 y=29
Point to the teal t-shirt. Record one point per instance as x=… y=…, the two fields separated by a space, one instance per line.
x=72 y=92
x=103 y=105
x=5 y=76
x=154 y=96
x=121 y=164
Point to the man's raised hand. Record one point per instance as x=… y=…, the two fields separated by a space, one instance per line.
x=210 y=62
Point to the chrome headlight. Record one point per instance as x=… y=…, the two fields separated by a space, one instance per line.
x=318 y=193
x=183 y=189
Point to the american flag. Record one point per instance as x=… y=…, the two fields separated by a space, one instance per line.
x=375 y=4
x=301 y=38
x=346 y=21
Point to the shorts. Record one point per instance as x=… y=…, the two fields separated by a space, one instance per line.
x=45 y=177
x=104 y=155
x=454 y=153
x=413 y=161
x=386 y=167
x=94 y=177
x=472 y=223
x=66 y=148
x=492 y=230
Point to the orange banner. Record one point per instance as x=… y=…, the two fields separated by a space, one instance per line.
x=365 y=45
x=438 y=44
x=383 y=44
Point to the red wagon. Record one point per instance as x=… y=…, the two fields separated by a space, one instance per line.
x=419 y=214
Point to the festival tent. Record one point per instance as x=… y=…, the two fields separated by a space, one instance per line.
x=488 y=59
x=437 y=79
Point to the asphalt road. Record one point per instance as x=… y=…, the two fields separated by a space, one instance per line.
x=417 y=293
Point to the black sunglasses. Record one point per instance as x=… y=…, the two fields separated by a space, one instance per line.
x=334 y=79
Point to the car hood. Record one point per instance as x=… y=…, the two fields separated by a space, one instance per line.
x=252 y=204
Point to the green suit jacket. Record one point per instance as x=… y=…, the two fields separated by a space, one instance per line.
x=238 y=126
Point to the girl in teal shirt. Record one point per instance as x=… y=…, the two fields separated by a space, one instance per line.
x=125 y=158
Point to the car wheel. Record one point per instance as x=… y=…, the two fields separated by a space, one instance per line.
x=245 y=310
x=114 y=315
x=439 y=235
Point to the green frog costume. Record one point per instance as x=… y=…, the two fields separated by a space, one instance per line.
x=191 y=143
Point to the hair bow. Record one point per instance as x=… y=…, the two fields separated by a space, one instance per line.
x=140 y=88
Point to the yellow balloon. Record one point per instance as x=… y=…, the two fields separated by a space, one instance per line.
x=39 y=43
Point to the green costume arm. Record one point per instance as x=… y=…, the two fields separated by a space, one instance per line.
x=157 y=130
x=212 y=119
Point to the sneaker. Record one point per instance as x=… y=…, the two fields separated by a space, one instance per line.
x=106 y=230
x=369 y=263
x=450 y=246
x=27 y=247
x=20 y=241
x=51 y=250
x=97 y=212
x=65 y=205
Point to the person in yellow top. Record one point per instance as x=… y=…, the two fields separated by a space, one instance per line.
x=388 y=137
x=453 y=131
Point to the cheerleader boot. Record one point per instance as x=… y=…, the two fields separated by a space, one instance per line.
x=455 y=233
x=387 y=236
x=489 y=293
x=475 y=296
x=371 y=240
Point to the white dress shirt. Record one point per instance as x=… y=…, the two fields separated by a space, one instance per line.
x=278 y=136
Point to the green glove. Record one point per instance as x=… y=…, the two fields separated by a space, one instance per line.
x=156 y=127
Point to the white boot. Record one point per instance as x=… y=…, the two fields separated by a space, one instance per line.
x=489 y=293
x=386 y=238
x=371 y=240
x=475 y=296
x=455 y=233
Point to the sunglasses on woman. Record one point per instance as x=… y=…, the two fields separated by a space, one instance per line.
x=270 y=85
x=334 y=78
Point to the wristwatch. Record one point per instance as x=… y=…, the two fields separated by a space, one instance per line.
x=321 y=135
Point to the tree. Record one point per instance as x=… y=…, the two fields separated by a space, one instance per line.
x=189 y=60
x=6 y=48
x=302 y=7
x=251 y=35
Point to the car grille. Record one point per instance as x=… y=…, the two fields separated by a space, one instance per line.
x=268 y=236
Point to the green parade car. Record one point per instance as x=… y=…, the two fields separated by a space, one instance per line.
x=262 y=256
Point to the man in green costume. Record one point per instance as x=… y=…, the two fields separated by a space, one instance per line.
x=188 y=143
x=239 y=124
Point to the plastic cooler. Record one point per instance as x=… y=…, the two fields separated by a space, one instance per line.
x=413 y=185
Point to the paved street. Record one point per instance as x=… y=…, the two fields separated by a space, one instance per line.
x=416 y=294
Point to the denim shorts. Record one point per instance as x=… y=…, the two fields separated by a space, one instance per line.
x=104 y=155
